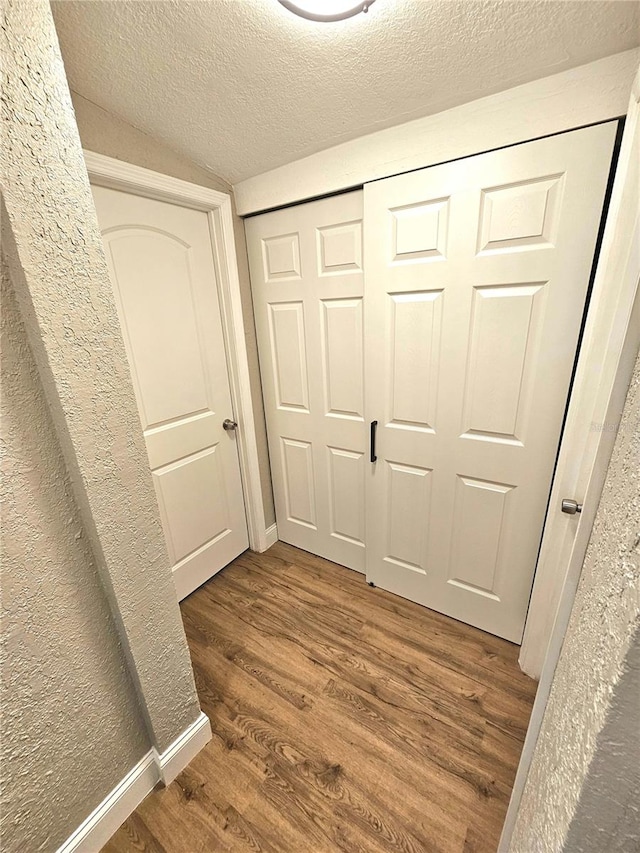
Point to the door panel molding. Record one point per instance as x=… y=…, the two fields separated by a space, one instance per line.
x=115 y=174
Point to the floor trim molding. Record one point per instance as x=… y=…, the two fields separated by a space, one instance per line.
x=101 y=824
x=271 y=535
x=153 y=768
x=183 y=750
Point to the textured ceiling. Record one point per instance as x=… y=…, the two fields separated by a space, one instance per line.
x=243 y=86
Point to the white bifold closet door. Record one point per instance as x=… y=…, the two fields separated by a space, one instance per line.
x=306 y=273
x=475 y=279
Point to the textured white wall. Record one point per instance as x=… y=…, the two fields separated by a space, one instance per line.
x=71 y=723
x=604 y=619
x=105 y=133
x=608 y=814
x=60 y=281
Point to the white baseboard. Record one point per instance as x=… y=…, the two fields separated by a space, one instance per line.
x=266 y=539
x=184 y=749
x=125 y=798
x=271 y=536
x=112 y=812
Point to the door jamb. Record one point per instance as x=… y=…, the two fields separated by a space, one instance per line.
x=115 y=174
x=602 y=376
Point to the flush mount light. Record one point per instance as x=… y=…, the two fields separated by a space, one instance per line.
x=326 y=10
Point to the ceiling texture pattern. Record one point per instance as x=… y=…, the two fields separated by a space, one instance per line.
x=243 y=86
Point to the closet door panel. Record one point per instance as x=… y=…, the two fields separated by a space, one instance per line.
x=306 y=272
x=476 y=278
x=342 y=357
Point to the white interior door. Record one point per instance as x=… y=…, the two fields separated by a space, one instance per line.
x=306 y=272
x=476 y=277
x=162 y=269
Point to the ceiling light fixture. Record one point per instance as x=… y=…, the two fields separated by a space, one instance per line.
x=326 y=10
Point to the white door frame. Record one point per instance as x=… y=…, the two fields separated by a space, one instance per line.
x=603 y=372
x=116 y=174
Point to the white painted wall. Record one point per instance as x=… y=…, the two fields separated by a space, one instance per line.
x=583 y=95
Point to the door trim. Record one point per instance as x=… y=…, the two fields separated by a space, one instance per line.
x=603 y=372
x=116 y=174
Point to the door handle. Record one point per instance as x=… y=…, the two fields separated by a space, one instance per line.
x=228 y=424
x=571 y=507
x=372 y=442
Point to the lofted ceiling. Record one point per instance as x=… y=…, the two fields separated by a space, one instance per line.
x=243 y=86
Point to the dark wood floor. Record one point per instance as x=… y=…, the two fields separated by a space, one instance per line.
x=344 y=719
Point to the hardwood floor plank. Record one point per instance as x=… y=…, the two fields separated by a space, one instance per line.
x=435 y=733
x=369 y=746
x=138 y=837
x=343 y=719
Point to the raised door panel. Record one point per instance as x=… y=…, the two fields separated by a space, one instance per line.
x=415 y=335
x=408 y=513
x=342 y=346
x=194 y=516
x=281 y=258
x=299 y=484
x=520 y=216
x=479 y=525
x=504 y=330
x=152 y=275
x=340 y=248
x=288 y=355
x=419 y=231
x=346 y=489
